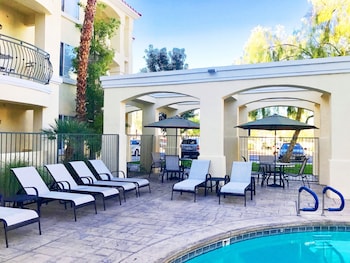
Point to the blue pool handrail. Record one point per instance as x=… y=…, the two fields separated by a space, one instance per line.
x=307 y=209
x=333 y=209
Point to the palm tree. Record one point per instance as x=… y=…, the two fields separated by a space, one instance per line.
x=83 y=58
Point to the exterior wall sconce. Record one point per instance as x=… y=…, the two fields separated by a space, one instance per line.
x=212 y=71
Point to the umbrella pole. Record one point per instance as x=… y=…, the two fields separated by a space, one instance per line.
x=176 y=141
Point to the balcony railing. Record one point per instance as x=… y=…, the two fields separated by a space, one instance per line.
x=23 y=60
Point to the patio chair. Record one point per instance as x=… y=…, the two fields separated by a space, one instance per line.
x=33 y=184
x=83 y=175
x=157 y=162
x=13 y=218
x=266 y=167
x=301 y=175
x=172 y=167
x=66 y=182
x=104 y=173
x=240 y=181
x=198 y=177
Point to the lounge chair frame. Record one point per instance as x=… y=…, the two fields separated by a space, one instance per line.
x=88 y=178
x=194 y=179
x=71 y=186
x=101 y=171
x=7 y=212
x=249 y=186
x=62 y=197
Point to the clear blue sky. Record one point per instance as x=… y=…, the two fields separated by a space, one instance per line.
x=213 y=33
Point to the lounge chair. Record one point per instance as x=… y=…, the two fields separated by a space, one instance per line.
x=82 y=173
x=172 y=167
x=66 y=182
x=104 y=173
x=13 y=218
x=240 y=181
x=198 y=177
x=33 y=184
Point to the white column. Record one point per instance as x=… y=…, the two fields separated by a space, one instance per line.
x=212 y=133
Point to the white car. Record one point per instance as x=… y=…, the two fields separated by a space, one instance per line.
x=135 y=146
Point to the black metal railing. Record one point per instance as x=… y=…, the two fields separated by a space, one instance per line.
x=37 y=149
x=23 y=60
x=252 y=147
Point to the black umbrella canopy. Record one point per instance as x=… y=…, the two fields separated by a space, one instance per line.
x=174 y=122
x=276 y=122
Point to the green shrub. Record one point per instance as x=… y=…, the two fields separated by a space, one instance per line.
x=9 y=184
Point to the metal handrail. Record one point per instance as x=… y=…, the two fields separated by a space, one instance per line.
x=332 y=209
x=307 y=209
x=24 y=60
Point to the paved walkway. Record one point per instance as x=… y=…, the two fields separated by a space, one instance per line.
x=152 y=228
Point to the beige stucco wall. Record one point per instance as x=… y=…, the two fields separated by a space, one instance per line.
x=220 y=106
x=43 y=24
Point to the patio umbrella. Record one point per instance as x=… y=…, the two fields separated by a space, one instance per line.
x=175 y=122
x=276 y=122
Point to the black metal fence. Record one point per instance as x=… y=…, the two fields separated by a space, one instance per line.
x=23 y=60
x=253 y=147
x=38 y=149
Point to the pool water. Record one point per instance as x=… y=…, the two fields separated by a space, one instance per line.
x=305 y=247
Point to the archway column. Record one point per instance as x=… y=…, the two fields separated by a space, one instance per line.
x=114 y=123
x=212 y=133
x=339 y=146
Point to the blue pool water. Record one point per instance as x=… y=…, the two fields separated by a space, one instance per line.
x=305 y=247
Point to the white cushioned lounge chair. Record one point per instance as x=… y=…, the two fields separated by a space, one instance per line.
x=13 y=218
x=240 y=182
x=105 y=174
x=198 y=176
x=82 y=172
x=33 y=184
x=66 y=182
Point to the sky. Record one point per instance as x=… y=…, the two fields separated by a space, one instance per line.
x=213 y=33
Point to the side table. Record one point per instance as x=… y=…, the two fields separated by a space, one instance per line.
x=217 y=181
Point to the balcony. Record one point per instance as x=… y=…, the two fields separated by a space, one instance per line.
x=23 y=60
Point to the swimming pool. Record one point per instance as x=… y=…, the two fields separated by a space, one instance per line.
x=318 y=244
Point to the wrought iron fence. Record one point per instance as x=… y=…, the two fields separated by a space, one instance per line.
x=38 y=149
x=23 y=60
x=253 y=147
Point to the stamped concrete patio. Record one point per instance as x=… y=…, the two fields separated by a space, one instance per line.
x=152 y=228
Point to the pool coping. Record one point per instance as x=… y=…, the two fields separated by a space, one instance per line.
x=245 y=233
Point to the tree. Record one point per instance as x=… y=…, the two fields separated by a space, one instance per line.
x=324 y=33
x=100 y=58
x=71 y=133
x=162 y=60
x=83 y=58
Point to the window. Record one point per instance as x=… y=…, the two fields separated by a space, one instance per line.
x=71 y=7
x=67 y=54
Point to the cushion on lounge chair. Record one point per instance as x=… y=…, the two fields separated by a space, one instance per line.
x=29 y=177
x=13 y=218
x=197 y=177
x=33 y=184
x=65 y=180
x=187 y=185
x=81 y=170
x=106 y=174
x=240 y=181
x=60 y=173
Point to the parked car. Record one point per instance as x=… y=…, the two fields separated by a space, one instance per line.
x=135 y=146
x=190 y=148
x=298 y=153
